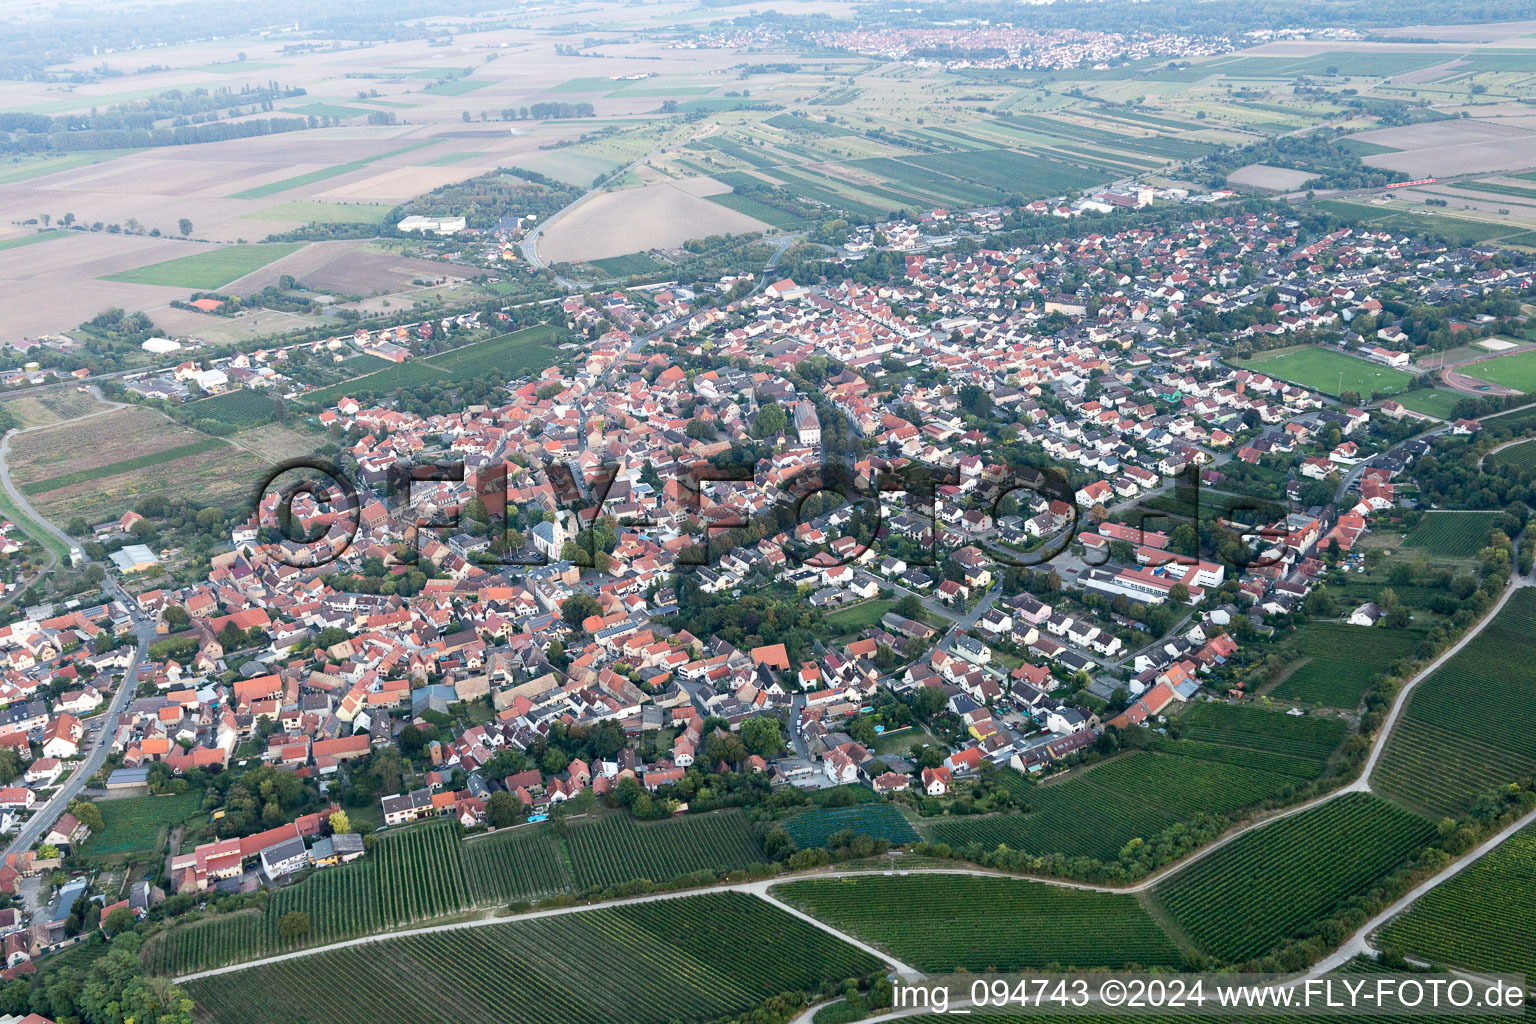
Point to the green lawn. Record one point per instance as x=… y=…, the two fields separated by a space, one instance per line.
x=10 y=510
x=860 y=616
x=1328 y=371
x=1431 y=401
x=505 y=357
x=1516 y=371
x=207 y=271
x=306 y=212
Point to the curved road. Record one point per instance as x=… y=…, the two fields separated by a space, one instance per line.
x=100 y=728
x=15 y=492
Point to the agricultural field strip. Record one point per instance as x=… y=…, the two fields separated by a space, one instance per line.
x=760 y=888
x=158 y=458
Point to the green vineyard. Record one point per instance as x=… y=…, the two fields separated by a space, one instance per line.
x=695 y=958
x=1251 y=756
x=1341 y=661
x=426 y=871
x=939 y=922
x=616 y=849
x=515 y=864
x=1245 y=725
x=1483 y=919
x=880 y=821
x=411 y=875
x=1450 y=534
x=1268 y=885
x=1465 y=729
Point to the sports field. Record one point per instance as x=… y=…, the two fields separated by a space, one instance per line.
x=1516 y=371
x=1431 y=401
x=209 y=270
x=1332 y=373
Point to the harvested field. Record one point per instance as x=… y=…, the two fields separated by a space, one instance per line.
x=224 y=476
x=348 y=268
x=655 y=216
x=397 y=184
x=97 y=468
x=275 y=442
x=1460 y=146
x=51 y=407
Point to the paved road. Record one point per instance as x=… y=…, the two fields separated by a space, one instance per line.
x=1359 y=943
x=759 y=888
x=15 y=493
x=100 y=728
x=98 y=733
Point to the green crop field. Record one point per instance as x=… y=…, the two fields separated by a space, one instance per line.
x=1369 y=65
x=1452 y=534
x=525 y=863
x=1454 y=229
x=501 y=358
x=758 y=209
x=23 y=168
x=624 y=266
x=962 y=922
x=1269 y=885
x=1465 y=729
x=239 y=409
x=309 y=178
x=1341 y=661
x=880 y=821
x=1014 y=173
x=615 y=848
x=1483 y=919
x=1431 y=401
x=457 y=87
x=1522 y=456
x=327 y=110
x=134 y=824
x=303 y=211
x=1095 y=812
x=692 y=959
x=208 y=271
x=32 y=239
x=1517 y=370
x=1328 y=371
